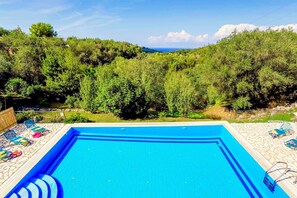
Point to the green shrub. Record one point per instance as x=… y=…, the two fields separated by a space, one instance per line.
x=76 y=118
x=196 y=115
x=180 y=93
x=88 y=94
x=38 y=118
x=241 y=103
x=17 y=86
x=162 y=114
x=56 y=119
x=169 y=114
x=25 y=115
x=123 y=98
x=70 y=101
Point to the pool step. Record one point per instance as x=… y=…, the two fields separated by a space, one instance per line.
x=40 y=186
x=14 y=195
x=51 y=183
x=32 y=189
x=23 y=192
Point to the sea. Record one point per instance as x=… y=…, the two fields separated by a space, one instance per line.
x=169 y=49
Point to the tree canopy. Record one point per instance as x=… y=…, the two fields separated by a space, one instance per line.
x=42 y=30
x=246 y=70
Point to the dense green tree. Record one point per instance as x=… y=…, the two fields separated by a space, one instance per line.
x=5 y=71
x=28 y=63
x=96 y=52
x=16 y=86
x=120 y=96
x=3 y=31
x=180 y=93
x=42 y=30
x=252 y=67
x=246 y=70
x=63 y=72
x=88 y=93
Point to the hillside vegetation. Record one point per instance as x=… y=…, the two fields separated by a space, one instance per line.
x=244 y=71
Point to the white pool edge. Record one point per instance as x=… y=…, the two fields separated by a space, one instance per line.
x=10 y=183
x=288 y=187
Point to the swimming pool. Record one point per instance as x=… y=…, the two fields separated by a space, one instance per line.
x=148 y=161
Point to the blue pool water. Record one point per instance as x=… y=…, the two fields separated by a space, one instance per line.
x=183 y=161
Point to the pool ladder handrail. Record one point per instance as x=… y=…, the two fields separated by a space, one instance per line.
x=294 y=174
x=268 y=183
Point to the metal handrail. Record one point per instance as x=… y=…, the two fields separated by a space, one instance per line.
x=268 y=183
x=290 y=176
x=279 y=162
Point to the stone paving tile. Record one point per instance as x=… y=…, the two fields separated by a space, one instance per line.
x=9 y=167
x=271 y=149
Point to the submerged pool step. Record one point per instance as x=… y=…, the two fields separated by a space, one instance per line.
x=13 y=195
x=40 y=186
x=51 y=183
x=32 y=189
x=23 y=192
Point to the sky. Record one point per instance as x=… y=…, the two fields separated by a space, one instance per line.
x=151 y=23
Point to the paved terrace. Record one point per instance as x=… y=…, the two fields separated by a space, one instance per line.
x=7 y=168
x=256 y=134
x=271 y=149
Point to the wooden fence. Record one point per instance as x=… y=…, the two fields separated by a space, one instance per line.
x=7 y=119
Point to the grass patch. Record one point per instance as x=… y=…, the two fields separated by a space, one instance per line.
x=196 y=115
x=154 y=116
x=76 y=118
x=286 y=117
x=55 y=117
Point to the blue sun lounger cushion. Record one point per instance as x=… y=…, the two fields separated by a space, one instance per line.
x=285 y=129
x=13 y=137
x=30 y=124
x=292 y=143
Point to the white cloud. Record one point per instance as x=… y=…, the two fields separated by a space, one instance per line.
x=178 y=37
x=226 y=30
x=289 y=26
x=201 y=38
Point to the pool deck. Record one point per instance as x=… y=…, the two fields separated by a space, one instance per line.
x=9 y=167
x=273 y=150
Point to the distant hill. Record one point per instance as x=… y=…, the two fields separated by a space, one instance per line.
x=149 y=50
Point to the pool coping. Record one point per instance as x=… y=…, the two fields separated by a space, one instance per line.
x=10 y=183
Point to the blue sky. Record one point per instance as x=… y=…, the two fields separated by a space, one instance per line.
x=151 y=23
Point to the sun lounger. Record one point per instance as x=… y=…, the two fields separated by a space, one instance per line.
x=285 y=129
x=292 y=143
x=37 y=131
x=30 y=124
x=5 y=154
x=13 y=137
